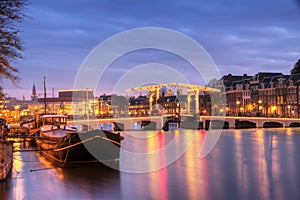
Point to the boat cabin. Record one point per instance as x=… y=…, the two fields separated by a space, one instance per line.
x=50 y=122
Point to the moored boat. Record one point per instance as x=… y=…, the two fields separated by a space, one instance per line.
x=6 y=158
x=30 y=125
x=75 y=144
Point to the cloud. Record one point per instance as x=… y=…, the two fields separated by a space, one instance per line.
x=248 y=35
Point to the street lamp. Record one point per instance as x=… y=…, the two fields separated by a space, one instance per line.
x=17 y=107
x=35 y=109
x=289 y=110
x=238 y=107
x=260 y=107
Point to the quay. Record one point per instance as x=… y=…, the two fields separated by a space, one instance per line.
x=6 y=158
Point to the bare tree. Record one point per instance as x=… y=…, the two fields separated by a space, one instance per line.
x=296 y=68
x=11 y=12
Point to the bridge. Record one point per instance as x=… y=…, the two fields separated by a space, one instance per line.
x=154 y=93
x=157 y=122
x=129 y=123
x=257 y=122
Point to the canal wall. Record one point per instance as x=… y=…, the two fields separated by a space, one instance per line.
x=6 y=158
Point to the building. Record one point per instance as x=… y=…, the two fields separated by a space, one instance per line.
x=112 y=105
x=12 y=108
x=139 y=106
x=70 y=102
x=264 y=94
x=34 y=96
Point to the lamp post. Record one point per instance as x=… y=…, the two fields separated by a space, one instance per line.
x=289 y=111
x=17 y=107
x=238 y=107
x=297 y=97
x=35 y=109
x=260 y=107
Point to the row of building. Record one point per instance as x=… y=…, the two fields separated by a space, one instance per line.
x=264 y=94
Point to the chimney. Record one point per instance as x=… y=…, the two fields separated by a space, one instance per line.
x=229 y=77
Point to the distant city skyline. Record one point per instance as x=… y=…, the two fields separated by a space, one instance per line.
x=241 y=37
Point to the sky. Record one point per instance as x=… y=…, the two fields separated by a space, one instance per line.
x=247 y=36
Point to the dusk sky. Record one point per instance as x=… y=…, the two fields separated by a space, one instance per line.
x=247 y=36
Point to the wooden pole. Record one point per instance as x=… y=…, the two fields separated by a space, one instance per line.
x=297 y=97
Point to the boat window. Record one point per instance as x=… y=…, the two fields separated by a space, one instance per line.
x=56 y=121
x=63 y=121
x=48 y=121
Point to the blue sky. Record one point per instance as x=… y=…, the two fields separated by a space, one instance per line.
x=241 y=36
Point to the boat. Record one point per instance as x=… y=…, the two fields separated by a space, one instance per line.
x=74 y=144
x=6 y=158
x=30 y=124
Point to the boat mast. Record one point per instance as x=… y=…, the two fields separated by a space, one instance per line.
x=87 y=107
x=86 y=103
x=45 y=100
x=52 y=100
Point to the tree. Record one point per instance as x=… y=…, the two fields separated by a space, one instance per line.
x=296 y=68
x=2 y=96
x=11 y=12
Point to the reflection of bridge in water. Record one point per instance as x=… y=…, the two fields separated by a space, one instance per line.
x=158 y=122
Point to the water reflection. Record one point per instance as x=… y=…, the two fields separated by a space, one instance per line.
x=245 y=164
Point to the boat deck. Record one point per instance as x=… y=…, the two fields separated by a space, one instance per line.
x=57 y=133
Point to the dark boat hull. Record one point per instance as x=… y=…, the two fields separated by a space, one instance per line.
x=86 y=147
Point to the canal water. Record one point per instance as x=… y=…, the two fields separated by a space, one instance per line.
x=244 y=164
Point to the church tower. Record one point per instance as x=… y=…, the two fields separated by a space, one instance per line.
x=34 y=96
